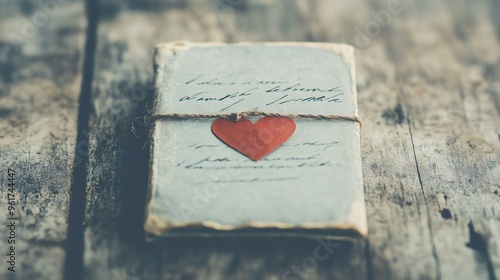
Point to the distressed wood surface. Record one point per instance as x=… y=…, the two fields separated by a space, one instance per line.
x=41 y=54
x=427 y=94
x=428 y=77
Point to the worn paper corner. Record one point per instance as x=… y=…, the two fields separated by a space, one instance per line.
x=357 y=217
x=155 y=224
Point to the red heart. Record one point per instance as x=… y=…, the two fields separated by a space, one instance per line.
x=254 y=140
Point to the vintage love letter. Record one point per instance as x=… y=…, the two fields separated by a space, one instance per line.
x=311 y=185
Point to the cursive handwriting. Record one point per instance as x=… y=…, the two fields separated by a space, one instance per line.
x=201 y=96
x=235 y=89
x=218 y=82
x=298 y=87
x=252 y=180
x=324 y=98
x=266 y=163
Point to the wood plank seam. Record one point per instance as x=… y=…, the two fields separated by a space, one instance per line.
x=73 y=268
x=433 y=245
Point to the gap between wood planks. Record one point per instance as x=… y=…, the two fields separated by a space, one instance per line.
x=73 y=267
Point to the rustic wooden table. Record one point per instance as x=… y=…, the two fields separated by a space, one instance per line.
x=72 y=87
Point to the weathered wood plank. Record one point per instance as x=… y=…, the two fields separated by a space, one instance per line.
x=430 y=142
x=41 y=52
x=454 y=133
x=431 y=69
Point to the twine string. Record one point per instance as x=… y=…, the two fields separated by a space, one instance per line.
x=239 y=116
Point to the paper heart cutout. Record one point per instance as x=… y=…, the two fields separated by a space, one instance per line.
x=254 y=140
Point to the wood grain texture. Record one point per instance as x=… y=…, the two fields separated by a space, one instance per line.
x=41 y=52
x=428 y=85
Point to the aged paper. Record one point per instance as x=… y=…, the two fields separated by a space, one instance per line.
x=311 y=182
